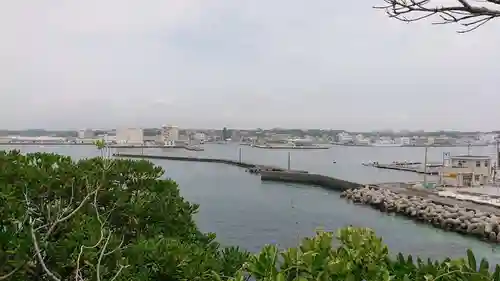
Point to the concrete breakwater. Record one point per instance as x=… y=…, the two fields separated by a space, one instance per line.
x=267 y=173
x=476 y=223
x=309 y=179
x=191 y=159
x=252 y=168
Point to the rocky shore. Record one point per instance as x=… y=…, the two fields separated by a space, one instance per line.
x=452 y=218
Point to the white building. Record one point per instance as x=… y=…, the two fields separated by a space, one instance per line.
x=469 y=170
x=132 y=136
x=86 y=134
x=200 y=136
x=405 y=140
x=169 y=135
x=362 y=140
x=344 y=137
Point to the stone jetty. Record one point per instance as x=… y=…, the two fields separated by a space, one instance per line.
x=476 y=223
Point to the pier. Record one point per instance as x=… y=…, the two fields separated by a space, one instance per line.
x=409 y=167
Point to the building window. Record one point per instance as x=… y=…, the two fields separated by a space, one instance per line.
x=486 y=163
x=476 y=178
x=478 y=163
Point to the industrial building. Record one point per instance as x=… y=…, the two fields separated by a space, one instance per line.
x=169 y=135
x=132 y=136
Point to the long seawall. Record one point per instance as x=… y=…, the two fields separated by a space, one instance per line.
x=309 y=179
x=267 y=173
x=190 y=159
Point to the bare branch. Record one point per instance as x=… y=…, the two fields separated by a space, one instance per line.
x=56 y=215
x=103 y=251
x=122 y=267
x=101 y=255
x=39 y=254
x=67 y=217
x=470 y=16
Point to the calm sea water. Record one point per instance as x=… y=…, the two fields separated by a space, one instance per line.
x=246 y=212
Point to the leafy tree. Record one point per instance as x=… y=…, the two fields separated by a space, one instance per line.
x=100 y=219
x=470 y=14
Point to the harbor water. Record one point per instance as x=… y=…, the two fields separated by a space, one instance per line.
x=246 y=212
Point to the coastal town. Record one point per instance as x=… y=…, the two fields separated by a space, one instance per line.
x=169 y=135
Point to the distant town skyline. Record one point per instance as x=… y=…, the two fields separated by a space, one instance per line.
x=222 y=63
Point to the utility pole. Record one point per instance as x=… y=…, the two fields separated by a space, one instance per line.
x=289 y=160
x=469 y=148
x=498 y=159
x=425 y=167
x=239 y=154
x=442 y=170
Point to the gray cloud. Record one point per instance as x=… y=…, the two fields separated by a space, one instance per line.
x=240 y=64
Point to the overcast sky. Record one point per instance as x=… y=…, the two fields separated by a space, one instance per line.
x=214 y=63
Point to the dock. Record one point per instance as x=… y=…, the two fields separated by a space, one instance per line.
x=412 y=167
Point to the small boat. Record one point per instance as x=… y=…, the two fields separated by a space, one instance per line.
x=334 y=162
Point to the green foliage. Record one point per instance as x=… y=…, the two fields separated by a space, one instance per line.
x=99 y=219
x=360 y=256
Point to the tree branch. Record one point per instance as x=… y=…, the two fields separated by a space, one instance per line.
x=39 y=254
x=470 y=16
x=54 y=215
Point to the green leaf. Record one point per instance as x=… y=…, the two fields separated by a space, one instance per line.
x=484 y=266
x=471 y=259
x=496 y=274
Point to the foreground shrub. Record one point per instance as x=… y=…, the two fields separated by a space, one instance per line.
x=100 y=219
x=360 y=256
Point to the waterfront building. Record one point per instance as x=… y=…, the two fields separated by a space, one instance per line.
x=362 y=140
x=169 y=135
x=86 y=134
x=132 y=136
x=405 y=141
x=200 y=136
x=468 y=170
x=344 y=137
